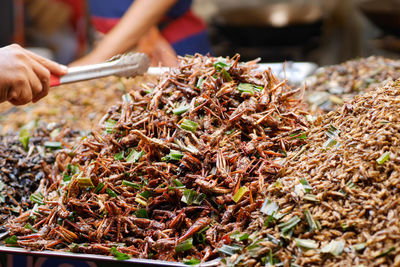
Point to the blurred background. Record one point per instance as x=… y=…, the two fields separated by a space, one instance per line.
x=321 y=31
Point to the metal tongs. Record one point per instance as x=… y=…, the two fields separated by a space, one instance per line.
x=127 y=65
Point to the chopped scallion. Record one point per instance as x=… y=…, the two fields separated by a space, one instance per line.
x=146 y=194
x=287 y=227
x=12 y=240
x=111 y=192
x=240 y=193
x=99 y=187
x=306 y=185
x=37 y=198
x=238 y=236
x=192 y=261
x=200 y=82
x=229 y=250
x=359 y=247
x=246 y=88
x=84 y=182
x=299 y=136
x=24 y=137
x=130 y=184
x=184 y=245
x=119 y=156
x=306 y=243
x=30 y=227
x=173 y=155
x=383 y=158
x=53 y=145
x=335 y=248
x=310 y=220
x=181 y=109
x=269 y=207
x=142 y=213
x=119 y=255
x=109 y=124
x=134 y=156
x=191 y=197
x=189 y=125
x=311 y=197
x=178 y=183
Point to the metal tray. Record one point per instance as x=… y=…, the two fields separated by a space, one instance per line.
x=97 y=258
x=6 y=250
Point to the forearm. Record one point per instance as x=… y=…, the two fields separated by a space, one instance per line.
x=139 y=18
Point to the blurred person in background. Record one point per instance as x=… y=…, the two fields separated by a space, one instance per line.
x=162 y=29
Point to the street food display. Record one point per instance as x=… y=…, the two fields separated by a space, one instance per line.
x=213 y=160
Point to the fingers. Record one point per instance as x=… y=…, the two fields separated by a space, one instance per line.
x=21 y=93
x=42 y=77
x=52 y=66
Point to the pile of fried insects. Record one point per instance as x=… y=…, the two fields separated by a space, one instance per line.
x=177 y=168
x=336 y=201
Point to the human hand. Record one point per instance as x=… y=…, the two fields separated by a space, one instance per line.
x=25 y=76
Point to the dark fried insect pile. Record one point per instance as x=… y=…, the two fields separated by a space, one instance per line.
x=177 y=167
x=25 y=159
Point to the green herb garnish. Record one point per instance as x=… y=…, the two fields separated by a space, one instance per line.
x=84 y=182
x=130 y=184
x=37 y=198
x=184 y=245
x=189 y=125
x=119 y=156
x=111 y=193
x=134 y=156
x=53 y=145
x=287 y=227
x=229 y=250
x=142 y=213
x=306 y=243
x=173 y=155
x=99 y=187
x=12 y=240
x=192 y=261
x=181 y=109
x=306 y=185
x=383 y=158
x=314 y=225
x=335 y=248
x=240 y=193
x=191 y=197
x=110 y=124
x=30 y=227
x=119 y=255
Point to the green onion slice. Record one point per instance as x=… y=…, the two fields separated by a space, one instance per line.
x=306 y=243
x=189 y=125
x=240 y=193
x=383 y=158
x=130 y=184
x=119 y=255
x=184 y=245
x=335 y=248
